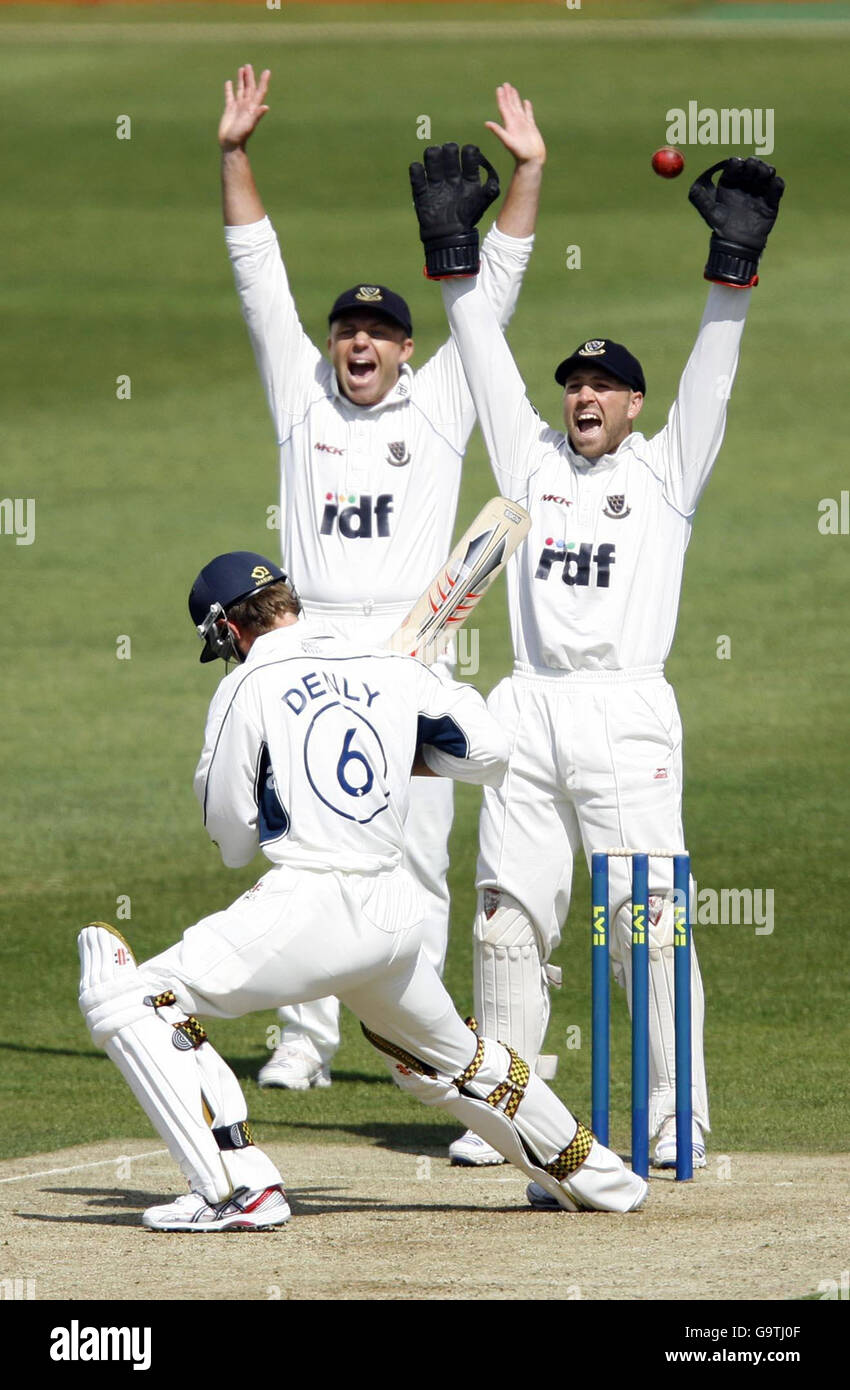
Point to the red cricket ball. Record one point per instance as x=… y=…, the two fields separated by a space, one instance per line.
x=668 y=162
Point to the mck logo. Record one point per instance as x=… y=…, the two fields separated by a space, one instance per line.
x=577 y=561
x=356 y=519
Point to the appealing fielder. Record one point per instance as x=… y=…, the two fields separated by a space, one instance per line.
x=370 y=457
x=308 y=752
x=596 y=756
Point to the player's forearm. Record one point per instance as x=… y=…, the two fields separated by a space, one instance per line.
x=697 y=421
x=518 y=214
x=508 y=422
x=240 y=200
x=504 y=260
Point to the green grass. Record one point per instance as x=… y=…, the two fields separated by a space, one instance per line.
x=116 y=266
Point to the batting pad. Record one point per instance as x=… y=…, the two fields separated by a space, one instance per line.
x=181 y=1083
x=514 y=1111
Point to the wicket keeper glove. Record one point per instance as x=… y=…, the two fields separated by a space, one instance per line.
x=449 y=199
x=740 y=210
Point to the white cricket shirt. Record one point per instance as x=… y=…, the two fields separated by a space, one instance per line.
x=596 y=585
x=309 y=745
x=368 y=493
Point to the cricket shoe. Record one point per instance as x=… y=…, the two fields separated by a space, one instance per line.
x=242 y=1211
x=541 y=1200
x=470 y=1151
x=665 y=1149
x=292 y=1070
x=601 y=1182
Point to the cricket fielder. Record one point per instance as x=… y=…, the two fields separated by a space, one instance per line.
x=308 y=753
x=370 y=457
x=596 y=740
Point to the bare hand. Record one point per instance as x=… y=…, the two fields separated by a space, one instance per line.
x=519 y=134
x=244 y=110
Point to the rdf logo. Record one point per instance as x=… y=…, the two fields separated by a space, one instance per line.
x=353 y=515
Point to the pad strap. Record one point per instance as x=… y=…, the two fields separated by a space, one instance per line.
x=392 y=1050
x=514 y=1084
x=572 y=1157
x=238 y=1136
x=189 y=1032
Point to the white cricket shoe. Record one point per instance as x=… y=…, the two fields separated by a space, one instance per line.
x=541 y=1200
x=242 y=1211
x=665 y=1149
x=292 y=1070
x=470 y=1151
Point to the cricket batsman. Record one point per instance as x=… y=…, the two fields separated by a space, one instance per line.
x=309 y=746
x=595 y=734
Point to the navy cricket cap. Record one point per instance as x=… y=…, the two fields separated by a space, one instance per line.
x=610 y=357
x=378 y=300
x=223 y=582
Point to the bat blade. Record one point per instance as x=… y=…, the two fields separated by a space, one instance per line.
x=476 y=561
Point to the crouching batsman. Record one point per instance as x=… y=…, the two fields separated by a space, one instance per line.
x=310 y=745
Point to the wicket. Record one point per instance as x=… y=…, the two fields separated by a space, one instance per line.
x=601 y=1004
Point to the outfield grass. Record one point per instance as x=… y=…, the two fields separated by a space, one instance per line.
x=116 y=265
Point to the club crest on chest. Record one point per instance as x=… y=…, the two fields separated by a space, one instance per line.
x=616 y=508
x=398 y=455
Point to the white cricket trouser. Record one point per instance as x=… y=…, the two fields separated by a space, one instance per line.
x=314 y=1027
x=299 y=934
x=596 y=762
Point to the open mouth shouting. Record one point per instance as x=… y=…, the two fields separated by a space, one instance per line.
x=367 y=353
x=589 y=424
x=598 y=412
x=362 y=368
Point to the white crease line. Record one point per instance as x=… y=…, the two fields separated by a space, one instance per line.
x=78 y=1167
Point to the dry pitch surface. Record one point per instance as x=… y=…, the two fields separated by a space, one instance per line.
x=372 y=1223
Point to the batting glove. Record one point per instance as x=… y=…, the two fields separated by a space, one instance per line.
x=740 y=209
x=449 y=199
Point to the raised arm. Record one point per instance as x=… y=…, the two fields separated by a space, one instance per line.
x=740 y=209
x=243 y=111
x=506 y=249
x=513 y=431
x=519 y=134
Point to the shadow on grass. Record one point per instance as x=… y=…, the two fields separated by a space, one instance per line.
x=431 y=1139
x=246 y=1068
x=54 y=1051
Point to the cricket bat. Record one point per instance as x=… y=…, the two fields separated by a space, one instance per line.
x=456 y=589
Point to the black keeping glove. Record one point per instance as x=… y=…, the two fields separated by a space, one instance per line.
x=740 y=210
x=449 y=199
